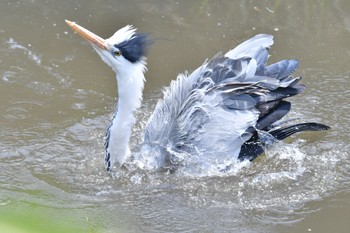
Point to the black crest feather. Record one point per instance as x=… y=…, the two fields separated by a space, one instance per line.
x=135 y=48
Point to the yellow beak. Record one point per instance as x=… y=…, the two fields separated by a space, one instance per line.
x=87 y=35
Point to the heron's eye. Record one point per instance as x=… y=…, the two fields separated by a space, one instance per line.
x=117 y=53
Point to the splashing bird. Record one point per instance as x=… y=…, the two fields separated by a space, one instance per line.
x=228 y=109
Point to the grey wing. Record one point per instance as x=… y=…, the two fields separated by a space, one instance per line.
x=218 y=106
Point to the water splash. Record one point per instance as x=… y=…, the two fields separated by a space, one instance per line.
x=31 y=55
x=51 y=69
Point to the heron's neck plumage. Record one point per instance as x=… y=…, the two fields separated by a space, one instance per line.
x=130 y=86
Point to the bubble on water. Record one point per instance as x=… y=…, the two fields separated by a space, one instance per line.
x=79 y=106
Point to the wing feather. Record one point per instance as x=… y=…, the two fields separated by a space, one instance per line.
x=217 y=106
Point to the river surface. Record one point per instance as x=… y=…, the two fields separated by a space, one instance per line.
x=57 y=98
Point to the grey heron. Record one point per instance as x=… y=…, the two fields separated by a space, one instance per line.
x=227 y=110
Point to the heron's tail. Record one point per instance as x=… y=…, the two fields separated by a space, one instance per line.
x=254 y=147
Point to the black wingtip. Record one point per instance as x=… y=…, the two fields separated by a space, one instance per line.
x=251 y=149
x=283 y=133
x=319 y=126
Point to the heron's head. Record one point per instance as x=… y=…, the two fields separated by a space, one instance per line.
x=125 y=51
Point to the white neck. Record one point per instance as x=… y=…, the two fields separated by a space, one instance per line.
x=130 y=87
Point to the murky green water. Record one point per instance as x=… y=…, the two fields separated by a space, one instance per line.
x=57 y=98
